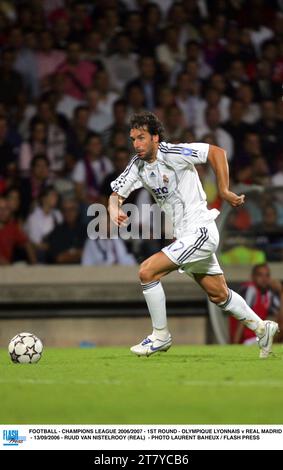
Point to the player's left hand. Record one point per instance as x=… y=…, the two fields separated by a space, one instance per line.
x=234 y=199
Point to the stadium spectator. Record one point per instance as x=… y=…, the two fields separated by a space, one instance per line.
x=106 y=97
x=36 y=145
x=235 y=77
x=55 y=132
x=93 y=48
x=122 y=65
x=24 y=43
x=212 y=126
x=14 y=202
x=31 y=186
x=187 y=98
x=270 y=130
x=11 y=83
x=64 y=183
x=212 y=46
x=259 y=32
x=66 y=241
x=265 y=296
x=213 y=98
x=134 y=28
x=193 y=52
x=244 y=157
x=218 y=82
x=81 y=22
x=165 y=98
x=63 y=103
x=251 y=109
x=170 y=53
x=259 y=172
x=61 y=31
x=78 y=133
x=79 y=73
x=270 y=233
x=174 y=123
x=99 y=120
x=263 y=85
x=48 y=59
x=149 y=81
x=43 y=220
x=135 y=98
x=184 y=17
x=118 y=139
x=89 y=172
x=7 y=154
x=151 y=13
x=235 y=126
x=112 y=23
x=119 y=124
x=12 y=237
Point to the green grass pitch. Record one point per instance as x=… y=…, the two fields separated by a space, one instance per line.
x=186 y=385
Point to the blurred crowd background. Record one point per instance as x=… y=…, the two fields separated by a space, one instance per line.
x=71 y=75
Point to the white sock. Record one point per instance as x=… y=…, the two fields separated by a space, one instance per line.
x=238 y=308
x=156 y=303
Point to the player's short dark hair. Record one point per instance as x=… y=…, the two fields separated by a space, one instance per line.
x=148 y=120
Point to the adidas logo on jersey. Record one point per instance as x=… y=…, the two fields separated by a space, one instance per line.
x=152 y=174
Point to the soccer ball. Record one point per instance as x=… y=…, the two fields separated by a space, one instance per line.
x=25 y=348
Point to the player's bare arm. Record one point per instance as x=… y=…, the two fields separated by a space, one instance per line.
x=218 y=160
x=117 y=215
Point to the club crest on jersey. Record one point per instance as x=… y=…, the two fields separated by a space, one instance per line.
x=165 y=179
x=186 y=151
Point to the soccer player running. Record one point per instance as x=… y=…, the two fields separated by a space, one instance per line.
x=168 y=172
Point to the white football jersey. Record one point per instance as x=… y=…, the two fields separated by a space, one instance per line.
x=173 y=181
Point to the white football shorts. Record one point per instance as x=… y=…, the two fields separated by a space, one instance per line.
x=195 y=253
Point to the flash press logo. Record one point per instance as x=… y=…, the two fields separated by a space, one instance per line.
x=11 y=437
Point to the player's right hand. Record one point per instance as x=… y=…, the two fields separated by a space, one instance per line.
x=117 y=215
x=119 y=219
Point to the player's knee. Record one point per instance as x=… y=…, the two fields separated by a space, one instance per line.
x=218 y=297
x=146 y=274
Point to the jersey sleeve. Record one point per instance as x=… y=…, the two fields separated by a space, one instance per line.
x=194 y=154
x=128 y=181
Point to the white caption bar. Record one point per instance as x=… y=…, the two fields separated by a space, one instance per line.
x=141 y=437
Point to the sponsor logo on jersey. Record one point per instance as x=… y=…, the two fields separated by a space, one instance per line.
x=160 y=192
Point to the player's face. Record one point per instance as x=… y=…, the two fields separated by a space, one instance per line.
x=144 y=144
